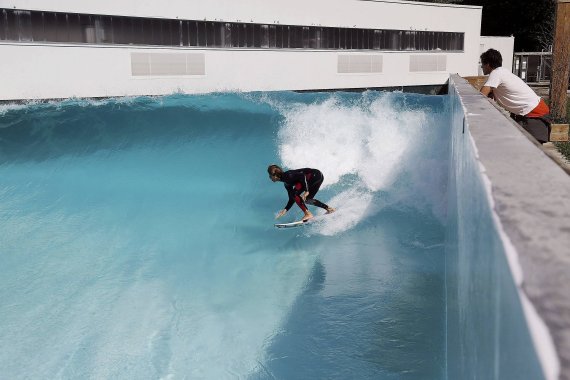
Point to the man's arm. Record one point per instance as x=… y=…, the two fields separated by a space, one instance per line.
x=487 y=91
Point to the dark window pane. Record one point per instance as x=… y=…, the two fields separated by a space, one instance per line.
x=219 y=36
x=336 y=36
x=354 y=38
x=62 y=28
x=50 y=26
x=193 y=33
x=393 y=41
x=177 y=33
x=342 y=38
x=377 y=37
x=3 y=17
x=250 y=35
x=286 y=36
x=210 y=34
x=368 y=39
x=74 y=28
x=440 y=40
x=296 y=37
x=11 y=26
x=328 y=38
x=234 y=34
x=201 y=33
x=242 y=38
x=256 y=35
x=171 y=34
x=184 y=37
x=103 y=29
x=420 y=40
x=138 y=31
x=305 y=37
x=145 y=31
x=228 y=35
x=271 y=36
x=312 y=42
x=37 y=26
x=24 y=19
x=279 y=36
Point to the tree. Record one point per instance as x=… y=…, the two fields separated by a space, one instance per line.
x=529 y=21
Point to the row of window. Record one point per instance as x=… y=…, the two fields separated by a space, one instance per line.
x=21 y=25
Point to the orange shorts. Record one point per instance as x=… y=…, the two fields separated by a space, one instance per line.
x=540 y=110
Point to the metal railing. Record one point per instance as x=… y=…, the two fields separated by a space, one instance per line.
x=533 y=67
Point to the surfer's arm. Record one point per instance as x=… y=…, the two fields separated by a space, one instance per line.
x=291 y=194
x=294 y=197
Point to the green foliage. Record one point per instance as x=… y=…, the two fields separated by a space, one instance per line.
x=530 y=21
x=564 y=149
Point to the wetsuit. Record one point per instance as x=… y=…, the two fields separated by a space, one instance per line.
x=300 y=180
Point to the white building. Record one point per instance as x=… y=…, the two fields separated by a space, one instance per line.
x=102 y=48
x=505 y=45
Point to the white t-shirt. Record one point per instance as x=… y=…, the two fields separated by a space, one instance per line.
x=512 y=92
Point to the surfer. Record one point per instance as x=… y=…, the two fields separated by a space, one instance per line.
x=301 y=185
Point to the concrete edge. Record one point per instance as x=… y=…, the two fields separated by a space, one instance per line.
x=526 y=191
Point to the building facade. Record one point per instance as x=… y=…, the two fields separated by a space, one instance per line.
x=129 y=48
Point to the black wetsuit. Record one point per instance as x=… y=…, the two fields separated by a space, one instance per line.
x=300 y=180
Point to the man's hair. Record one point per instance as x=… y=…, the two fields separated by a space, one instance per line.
x=493 y=58
x=274 y=170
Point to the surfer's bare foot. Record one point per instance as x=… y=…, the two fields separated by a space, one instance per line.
x=330 y=210
x=307 y=216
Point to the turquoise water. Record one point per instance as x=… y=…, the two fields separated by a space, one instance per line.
x=137 y=238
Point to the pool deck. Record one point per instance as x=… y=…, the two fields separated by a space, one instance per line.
x=529 y=194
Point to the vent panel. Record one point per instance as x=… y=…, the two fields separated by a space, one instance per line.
x=162 y=64
x=359 y=64
x=419 y=63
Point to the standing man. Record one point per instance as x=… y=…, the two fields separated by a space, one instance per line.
x=301 y=185
x=526 y=108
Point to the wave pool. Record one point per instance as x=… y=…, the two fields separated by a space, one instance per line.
x=137 y=238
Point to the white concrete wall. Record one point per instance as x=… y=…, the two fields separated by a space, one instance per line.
x=30 y=71
x=505 y=45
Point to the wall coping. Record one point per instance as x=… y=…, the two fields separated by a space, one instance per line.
x=528 y=195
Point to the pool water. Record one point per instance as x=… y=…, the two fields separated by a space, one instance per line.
x=137 y=238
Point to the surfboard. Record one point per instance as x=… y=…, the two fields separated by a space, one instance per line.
x=292 y=224
x=300 y=223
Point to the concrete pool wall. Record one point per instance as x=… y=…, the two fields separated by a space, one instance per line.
x=508 y=261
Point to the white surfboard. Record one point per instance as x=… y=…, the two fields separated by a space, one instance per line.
x=292 y=224
x=300 y=223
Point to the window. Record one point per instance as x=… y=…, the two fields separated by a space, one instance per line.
x=210 y=34
x=24 y=26
x=192 y=33
x=228 y=42
x=256 y=35
x=75 y=34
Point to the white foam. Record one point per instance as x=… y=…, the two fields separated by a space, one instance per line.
x=360 y=146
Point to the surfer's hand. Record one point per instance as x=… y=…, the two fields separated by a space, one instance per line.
x=280 y=214
x=304 y=195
